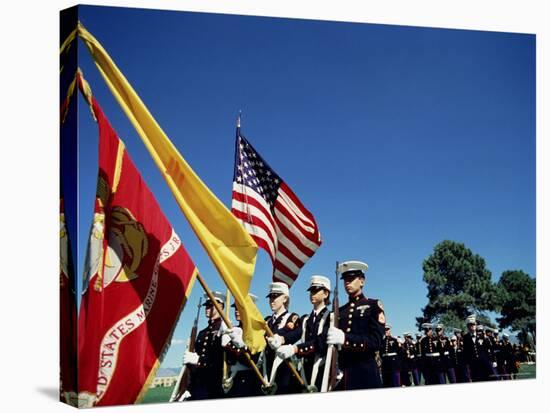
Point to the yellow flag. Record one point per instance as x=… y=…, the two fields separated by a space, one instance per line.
x=228 y=244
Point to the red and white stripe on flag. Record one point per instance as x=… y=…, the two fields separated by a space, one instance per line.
x=272 y=214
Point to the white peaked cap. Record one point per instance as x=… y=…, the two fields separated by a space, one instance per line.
x=278 y=288
x=352 y=266
x=219 y=297
x=319 y=281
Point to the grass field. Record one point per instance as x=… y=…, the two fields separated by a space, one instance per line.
x=527 y=371
x=158 y=395
x=162 y=394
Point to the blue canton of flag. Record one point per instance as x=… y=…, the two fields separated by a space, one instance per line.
x=252 y=171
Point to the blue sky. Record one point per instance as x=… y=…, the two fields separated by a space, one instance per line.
x=394 y=137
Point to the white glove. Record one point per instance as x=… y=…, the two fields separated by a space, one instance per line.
x=223 y=329
x=285 y=351
x=225 y=340
x=236 y=336
x=335 y=336
x=275 y=342
x=495 y=364
x=190 y=358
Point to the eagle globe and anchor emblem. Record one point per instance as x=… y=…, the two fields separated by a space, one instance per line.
x=126 y=247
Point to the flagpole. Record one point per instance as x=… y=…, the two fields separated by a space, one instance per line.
x=227 y=382
x=225 y=319
x=267 y=329
x=248 y=214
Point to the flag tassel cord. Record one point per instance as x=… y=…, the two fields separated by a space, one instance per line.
x=86 y=91
x=229 y=325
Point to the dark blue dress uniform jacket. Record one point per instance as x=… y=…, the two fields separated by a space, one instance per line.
x=408 y=356
x=245 y=382
x=390 y=354
x=431 y=361
x=476 y=355
x=206 y=376
x=362 y=320
x=445 y=359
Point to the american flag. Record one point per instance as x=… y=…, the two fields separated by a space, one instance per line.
x=272 y=213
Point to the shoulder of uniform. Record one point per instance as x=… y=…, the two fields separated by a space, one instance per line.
x=292 y=321
x=379 y=313
x=267 y=317
x=375 y=302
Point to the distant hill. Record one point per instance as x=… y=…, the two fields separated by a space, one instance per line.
x=168 y=371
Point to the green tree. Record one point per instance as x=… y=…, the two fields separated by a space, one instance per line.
x=458 y=284
x=517 y=299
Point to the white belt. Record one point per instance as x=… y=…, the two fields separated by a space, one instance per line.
x=390 y=354
x=432 y=354
x=446 y=353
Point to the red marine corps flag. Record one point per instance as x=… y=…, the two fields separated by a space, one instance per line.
x=137 y=278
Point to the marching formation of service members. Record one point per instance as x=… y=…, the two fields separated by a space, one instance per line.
x=338 y=348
